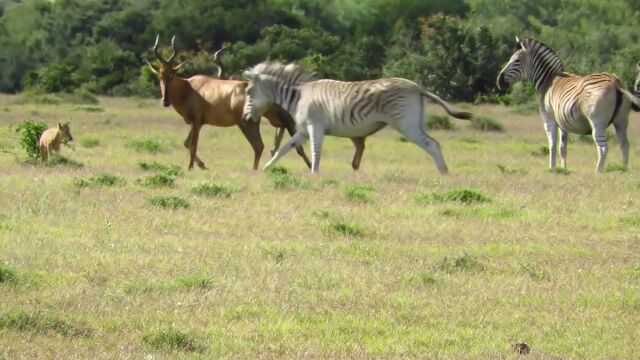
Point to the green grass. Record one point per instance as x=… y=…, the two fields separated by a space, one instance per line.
x=169 y=202
x=439 y=122
x=484 y=123
x=171 y=339
x=309 y=270
x=90 y=108
x=560 y=171
x=149 y=145
x=90 y=141
x=171 y=169
x=56 y=159
x=212 y=190
x=157 y=181
x=103 y=179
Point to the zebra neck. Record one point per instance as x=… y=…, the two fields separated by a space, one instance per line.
x=287 y=98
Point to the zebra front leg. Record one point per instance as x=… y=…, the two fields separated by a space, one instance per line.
x=551 y=127
x=277 y=140
x=296 y=140
x=358 y=143
x=316 y=133
x=600 y=138
x=564 y=137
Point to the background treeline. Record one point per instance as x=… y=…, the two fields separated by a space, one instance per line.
x=453 y=47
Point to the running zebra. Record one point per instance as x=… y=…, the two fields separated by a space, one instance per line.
x=343 y=109
x=571 y=103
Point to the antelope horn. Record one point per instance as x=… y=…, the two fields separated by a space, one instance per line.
x=155 y=48
x=153 y=69
x=173 y=49
x=218 y=62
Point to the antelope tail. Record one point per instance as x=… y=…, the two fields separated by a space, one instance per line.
x=456 y=114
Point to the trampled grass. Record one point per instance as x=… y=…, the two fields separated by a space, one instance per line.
x=392 y=261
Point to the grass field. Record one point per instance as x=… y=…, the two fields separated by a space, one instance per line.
x=129 y=257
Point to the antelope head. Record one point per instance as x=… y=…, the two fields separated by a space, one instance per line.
x=166 y=71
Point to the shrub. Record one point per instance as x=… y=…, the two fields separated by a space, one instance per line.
x=484 y=123
x=169 y=202
x=464 y=196
x=159 y=180
x=439 y=122
x=29 y=133
x=282 y=178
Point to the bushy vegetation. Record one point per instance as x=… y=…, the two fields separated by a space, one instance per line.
x=29 y=133
x=454 y=47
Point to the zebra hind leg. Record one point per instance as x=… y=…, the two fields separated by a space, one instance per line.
x=600 y=138
x=564 y=137
x=621 y=132
x=296 y=140
x=417 y=135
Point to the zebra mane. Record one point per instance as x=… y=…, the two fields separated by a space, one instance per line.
x=292 y=74
x=542 y=52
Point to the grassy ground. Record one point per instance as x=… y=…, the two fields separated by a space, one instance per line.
x=111 y=260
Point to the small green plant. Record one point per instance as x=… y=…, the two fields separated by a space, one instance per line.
x=424 y=278
x=484 y=123
x=282 y=178
x=462 y=195
x=212 y=190
x=40 y=323
x=90 y=141
x=439 y=122
x=89 y=108
x=464 y=262
x=171 y=170
x=197 y=281
x=8 y=275
x=344 y=228
x=29 y=133
x=159 y=180
x=612 y=167
x=171 y=339
x=169 y=202
x=358 y=192
x=560 y=171
x=509 y=171
x=147 y=145
x=541 y=151
x=56 y=159
x=104 y=179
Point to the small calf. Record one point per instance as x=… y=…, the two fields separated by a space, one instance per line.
x=52 y=138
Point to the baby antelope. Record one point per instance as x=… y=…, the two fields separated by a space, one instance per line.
x=52 y=138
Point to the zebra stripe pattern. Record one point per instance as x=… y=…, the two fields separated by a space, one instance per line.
x=571 y=103
x=343 y=109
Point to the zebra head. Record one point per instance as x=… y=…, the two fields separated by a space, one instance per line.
x=636 y=86
x=256 y=100
x=514 y=70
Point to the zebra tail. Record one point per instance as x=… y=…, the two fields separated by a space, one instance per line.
x=456 y=114
x=635 y=100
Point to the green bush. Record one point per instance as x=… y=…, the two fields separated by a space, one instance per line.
x=282 y=178
x=29 y=133
x=169 y=202
x=159 y=180
x=212 y=190
x=439 y=122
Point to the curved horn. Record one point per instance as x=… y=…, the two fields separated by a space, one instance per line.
x=153 y=69
x=218 y=62
x=155 y=48
x=173 y=49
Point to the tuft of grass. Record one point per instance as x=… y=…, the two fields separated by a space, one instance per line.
x=358 y=192
x=629 y=220
x=541 y=151
x=195 y=282
x=40 y=323
x=57 y=159
x=169 y=202
x=8 y=275
x=461 y=195
x=335 y=226
x=104 y=179
x=533 y=272
x=439 y=122
x=212 y=190
x=282 y=178
x=463 y=262
x=171 y=169
x=612 y=167
x=90 y=108
x=424 y=278
x=150 y=145
x=510 y=171
x=560 y=171
x=156 y=181
x=171 y=339
x=484 y=123
x=90 y=141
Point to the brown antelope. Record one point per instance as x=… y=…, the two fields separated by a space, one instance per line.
x=51 y=139
x=203 y=99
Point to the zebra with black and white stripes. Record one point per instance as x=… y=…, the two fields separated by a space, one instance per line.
x=571 y=103
x=343 y=109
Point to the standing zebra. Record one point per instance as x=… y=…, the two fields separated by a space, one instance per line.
x=572 y=103
x=343 y=109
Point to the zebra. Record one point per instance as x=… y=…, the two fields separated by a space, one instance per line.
x=342 y=109
x=579 y=104
x=636 y=86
